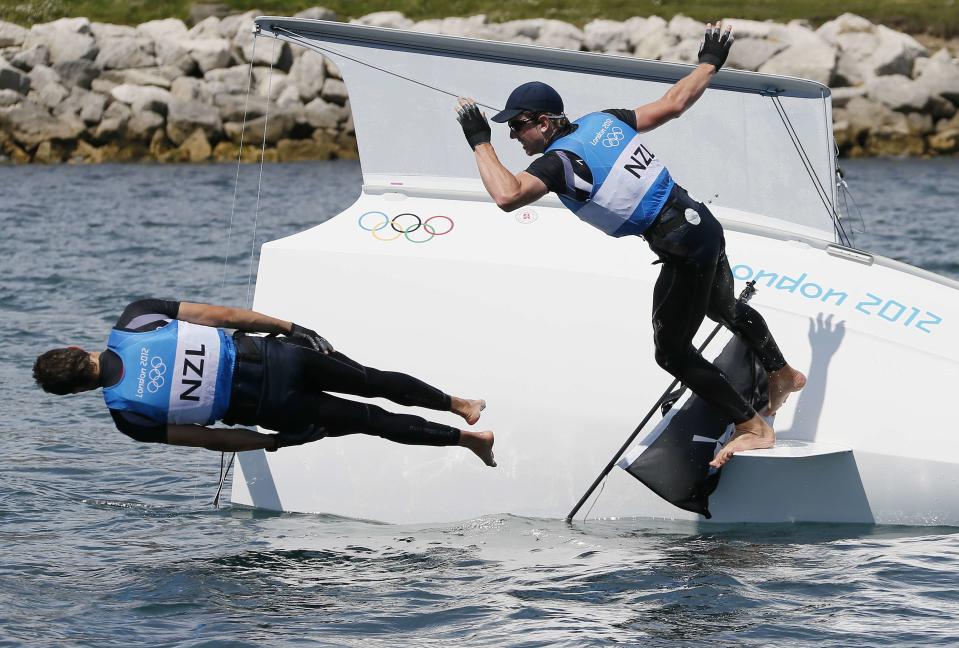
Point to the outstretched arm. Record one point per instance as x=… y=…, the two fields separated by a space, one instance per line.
x=685 y=92
x=219 y=439
x=240 y=319
x=238 y=439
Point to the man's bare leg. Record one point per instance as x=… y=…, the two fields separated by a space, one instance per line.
x=481 y=444
x=781 y=384
x=750 y=435
x=468 y=409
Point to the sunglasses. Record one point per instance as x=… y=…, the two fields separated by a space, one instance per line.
x=518 y=123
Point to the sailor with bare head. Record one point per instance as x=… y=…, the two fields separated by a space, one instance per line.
x=602 y=170
x=170 y=370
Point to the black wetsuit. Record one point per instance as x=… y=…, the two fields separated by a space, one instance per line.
x=280 y=385
x=695 y=282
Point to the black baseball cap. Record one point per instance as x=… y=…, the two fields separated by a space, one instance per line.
x=534 y=96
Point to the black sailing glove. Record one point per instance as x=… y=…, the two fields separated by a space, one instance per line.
x=287 y=439
x=715 y=47
x=474 y=124
x=313 y=339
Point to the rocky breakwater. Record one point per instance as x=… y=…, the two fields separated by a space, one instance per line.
x=72 y=90
x=890 y=94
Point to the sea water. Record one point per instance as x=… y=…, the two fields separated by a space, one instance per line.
x=104 y=541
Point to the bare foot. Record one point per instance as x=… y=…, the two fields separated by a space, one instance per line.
x=751 y=435
x=481 y=444
x=468 y=409
x=781 y=384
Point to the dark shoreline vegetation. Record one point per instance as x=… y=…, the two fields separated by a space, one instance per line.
x=938 y=18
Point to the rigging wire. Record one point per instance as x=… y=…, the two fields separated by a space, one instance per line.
x=224 y=473
x=294 y=37
x=810 y=168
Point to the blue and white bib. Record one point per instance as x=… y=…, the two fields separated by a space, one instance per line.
x=630 y=186
x=178 y=373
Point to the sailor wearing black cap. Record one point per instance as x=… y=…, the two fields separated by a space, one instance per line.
x=603 y=172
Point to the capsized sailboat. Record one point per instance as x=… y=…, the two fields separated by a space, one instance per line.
x=548 y=320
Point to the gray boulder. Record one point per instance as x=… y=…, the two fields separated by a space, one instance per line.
x=103 y=86
x=42 y=75
x=556 y=33
x=209 y=27
x=898 y=92
x=114 y=122
x=842 y=96
x=655 y=42
x=472 y=27
x=847 y=23
x=325 y=115
x=67 y=39
x=191 y=89
x=308 y=73
x=143 y=124
x=140 y=77
x=289 y=99
x=606 y=36
x=230 y=26
x=209 y=53
x=233 y=107
x=51 y=95
x=12 y=35
x=267 y=51
x=234 y=80
x=749 y=53
x=92 y=106
x=29 y=124
x=864 y=115
x=391 y=19
x=14 y=79
x=172 y=53
x=102 y=31
x=162 y=30
x=685 y=51
x=88 y=106
x=808 y=56
x=123 y=52
x=638 y=28
x=270 y=84
x=941 y=77
x=184 y=117
x=687 y=28
x=143 y=97
x=29 y=58
x=749 y=28
x=895 y=52
x=331 y=69
x=317 y=13
x=334 y=90
x=80 y=73
x=278 y=125
x=9 y=98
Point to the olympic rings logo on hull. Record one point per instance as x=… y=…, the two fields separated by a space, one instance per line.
x=405 y=225
x=157 y=371
x=614 y=137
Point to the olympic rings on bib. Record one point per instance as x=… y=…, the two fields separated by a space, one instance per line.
x=403 y=226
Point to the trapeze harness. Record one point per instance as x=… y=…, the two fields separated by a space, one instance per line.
x=179 y=373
